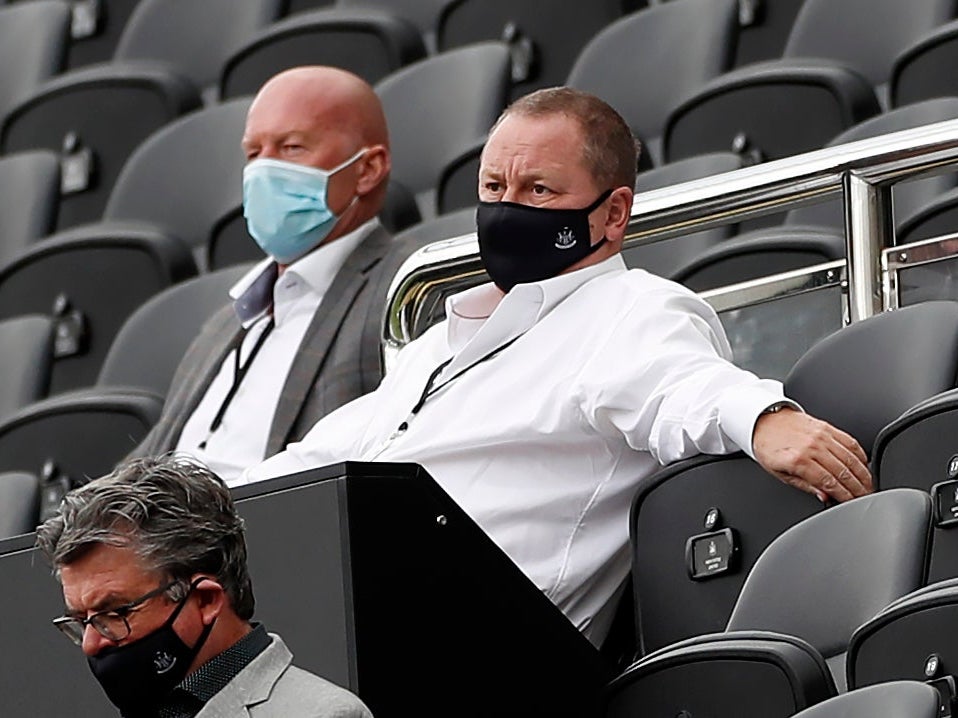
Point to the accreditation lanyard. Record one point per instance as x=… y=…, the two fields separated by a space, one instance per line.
x=239 y=373
x=431 y=388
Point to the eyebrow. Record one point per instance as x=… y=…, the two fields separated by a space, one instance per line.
x=110 y=600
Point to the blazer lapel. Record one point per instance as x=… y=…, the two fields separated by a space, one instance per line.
x=321 y=334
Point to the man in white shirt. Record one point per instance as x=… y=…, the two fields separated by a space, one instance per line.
x=546 y=395
x=302 y=335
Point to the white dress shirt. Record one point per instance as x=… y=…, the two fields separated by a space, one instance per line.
x=614 y=373
x=240 y=440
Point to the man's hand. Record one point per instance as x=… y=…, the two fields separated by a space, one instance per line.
x=811 y=455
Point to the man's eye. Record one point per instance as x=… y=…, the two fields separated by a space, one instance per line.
x=492 y=186
x=540 y=189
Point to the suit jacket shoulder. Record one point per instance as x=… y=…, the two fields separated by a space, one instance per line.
x=271 y=687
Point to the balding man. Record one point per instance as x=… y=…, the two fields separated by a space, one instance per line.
x=547 y=394
x=301 y=337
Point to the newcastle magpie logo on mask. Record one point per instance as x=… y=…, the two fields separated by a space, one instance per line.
x=565 y=239
x=163 y=662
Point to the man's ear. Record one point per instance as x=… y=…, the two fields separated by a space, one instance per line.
x=211 y=598
x=374 y=166
x=620 y=209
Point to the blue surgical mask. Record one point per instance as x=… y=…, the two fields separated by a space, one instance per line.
x=286 y=207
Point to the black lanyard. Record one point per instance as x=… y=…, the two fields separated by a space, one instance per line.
x=239 y=373
x=429 y=389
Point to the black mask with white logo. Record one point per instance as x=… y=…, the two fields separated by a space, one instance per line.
x=519 y=243
x=137 y=676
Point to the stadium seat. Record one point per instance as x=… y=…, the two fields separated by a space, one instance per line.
x=148 y=347
x=645 y=63
x=96 y=28
x=543 y=43
x=29 y=191
x=424 y=14
x=909 y=197
x=186 y=180
x=866 y=553
x=910 y=640
x=731 y=496
x=93 y=119
x=664 y=257
x=439 y=111
x=368 y=43
x=925 y=70
x=917 y=346
x=898 y=699
x=33 y=46
x=760 y=253
x=825 y=83
x=935 y=218
x=26 y=352
x=89 y=282
x=763 y=29
x=193 y=39
x=19 y=503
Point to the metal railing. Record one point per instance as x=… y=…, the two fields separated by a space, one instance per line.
x=862 y=173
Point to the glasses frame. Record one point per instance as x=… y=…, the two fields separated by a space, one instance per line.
x=74 y=628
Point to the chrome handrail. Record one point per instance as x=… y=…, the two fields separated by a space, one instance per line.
x=861 y=172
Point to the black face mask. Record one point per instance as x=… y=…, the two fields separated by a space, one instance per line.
x=135 y=677
x=519 y=243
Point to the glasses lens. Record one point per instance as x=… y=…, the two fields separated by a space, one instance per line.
x=71 y=628
x=111 y=626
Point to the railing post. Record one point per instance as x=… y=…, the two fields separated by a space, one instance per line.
x=868 y=230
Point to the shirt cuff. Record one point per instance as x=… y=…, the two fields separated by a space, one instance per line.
x=741 y=408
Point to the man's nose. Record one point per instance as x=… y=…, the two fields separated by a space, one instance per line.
x=93 y=642
x=511 y=194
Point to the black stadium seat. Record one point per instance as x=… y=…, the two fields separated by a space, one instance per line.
x=26 y=353
x=896 y=699
x=645 y=63
x=924 y=70
x=29 y=194
x=96 y=29
x=19 y=503
x=33 y=46
x=825 y=82
x=368 y=43
x=89 y=282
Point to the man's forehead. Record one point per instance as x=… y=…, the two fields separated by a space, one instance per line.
x=534 y=143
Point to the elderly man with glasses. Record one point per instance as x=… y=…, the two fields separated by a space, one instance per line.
x=152 y=561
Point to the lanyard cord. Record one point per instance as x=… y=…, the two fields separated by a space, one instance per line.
x=429 y=390
x=239 y=373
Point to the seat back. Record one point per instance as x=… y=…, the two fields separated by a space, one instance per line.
x=439 y=108
x=909 y=640
x=154 y=338
x=680 y=589
x=909 y=197
x=424 y=14
x=544 y=44
x=923 y=70
x=187 y=180
x=89 y=282
x=26 y=353
x=368 y=43
x=193 y=38
x=866 y=35
x=745 y=675
x=866 y=553
x=916 y=450
x=94 y=119
x=96 y=30
x=644 y=64
x=19 y=503
x=29 y=190
x=835 y=380
x=34 y=37
x=898 y=699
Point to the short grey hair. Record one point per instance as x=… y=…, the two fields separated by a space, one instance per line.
x=173 y=512
x=609 y=149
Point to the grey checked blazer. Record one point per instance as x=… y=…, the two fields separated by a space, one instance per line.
x=338 y=360
x=271 y=687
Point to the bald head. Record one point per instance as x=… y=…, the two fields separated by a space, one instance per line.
x=320 y=117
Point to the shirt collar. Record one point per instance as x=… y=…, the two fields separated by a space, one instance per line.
x=253 y=294
x=468 y=311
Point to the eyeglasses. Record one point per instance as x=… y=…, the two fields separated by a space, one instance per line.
x=112 y=624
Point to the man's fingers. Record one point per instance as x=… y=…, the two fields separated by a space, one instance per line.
x=851 y=444
x=803 y=485
x=841 y=467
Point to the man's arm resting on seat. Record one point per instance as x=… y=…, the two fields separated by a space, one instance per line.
x=811 y=455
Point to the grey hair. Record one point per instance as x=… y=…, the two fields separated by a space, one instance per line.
x=174 y=513
x=609 y=149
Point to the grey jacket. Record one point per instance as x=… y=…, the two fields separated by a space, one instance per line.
x=271 y=686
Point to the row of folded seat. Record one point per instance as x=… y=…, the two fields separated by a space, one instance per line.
x=854 y=594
